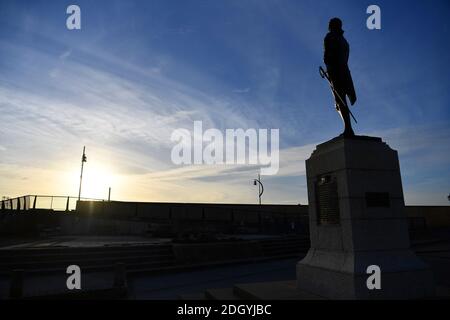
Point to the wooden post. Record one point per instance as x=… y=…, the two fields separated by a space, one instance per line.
x=16 y=288
x=120 y=275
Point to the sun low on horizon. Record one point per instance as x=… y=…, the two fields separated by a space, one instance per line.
x=123 y=86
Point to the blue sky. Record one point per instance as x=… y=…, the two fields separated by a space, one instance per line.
x=137 y=70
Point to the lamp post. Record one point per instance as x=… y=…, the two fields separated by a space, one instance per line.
x=83 y=160
x=260 y=187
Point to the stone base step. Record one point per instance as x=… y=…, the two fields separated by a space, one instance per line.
x=277 y=290
x=192 y=296
x=221 y=294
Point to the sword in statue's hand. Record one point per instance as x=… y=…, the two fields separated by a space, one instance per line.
x=324 y=75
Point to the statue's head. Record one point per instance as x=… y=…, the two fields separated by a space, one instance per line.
x=335 y=24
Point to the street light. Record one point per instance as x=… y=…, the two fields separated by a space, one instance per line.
x=83 y=160
x=260 y=187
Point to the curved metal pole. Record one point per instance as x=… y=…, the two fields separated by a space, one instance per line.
x=260 y=187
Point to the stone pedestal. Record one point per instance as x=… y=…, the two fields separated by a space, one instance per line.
x=356 y=220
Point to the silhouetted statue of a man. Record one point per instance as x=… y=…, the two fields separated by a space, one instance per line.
x=336 y=53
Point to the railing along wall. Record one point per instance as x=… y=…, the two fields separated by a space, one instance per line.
x=33 y=202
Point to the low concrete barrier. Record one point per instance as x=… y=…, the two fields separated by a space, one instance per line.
x=435 y=216
x=168 y=219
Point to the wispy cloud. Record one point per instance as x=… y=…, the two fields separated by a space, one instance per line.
x=244 y=90
x=121 y=88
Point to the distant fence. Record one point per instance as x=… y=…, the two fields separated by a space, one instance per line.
x=430 y=216
x=33 y=202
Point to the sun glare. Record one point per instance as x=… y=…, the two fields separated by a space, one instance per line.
x=97 y=179
x=96 y=182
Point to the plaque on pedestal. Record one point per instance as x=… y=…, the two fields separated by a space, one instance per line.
x=356 y=220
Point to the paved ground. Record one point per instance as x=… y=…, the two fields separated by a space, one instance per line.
x=162 y=286
x=56 y=283
x=171 y=285
x=98 y=241
x=81 y=241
